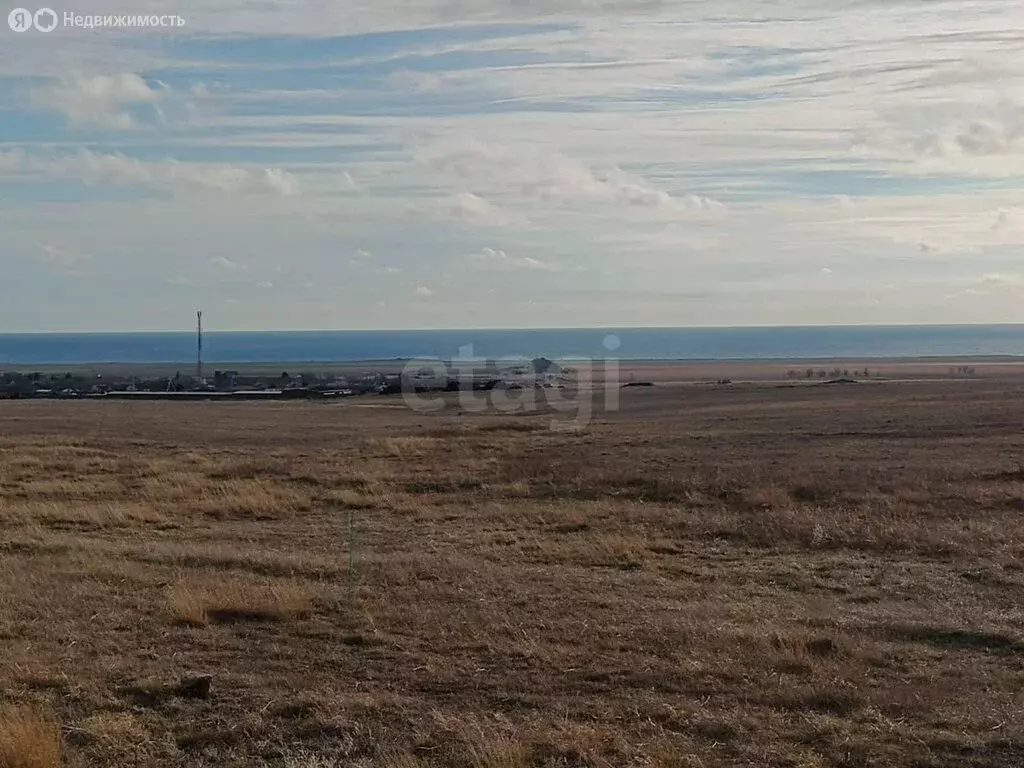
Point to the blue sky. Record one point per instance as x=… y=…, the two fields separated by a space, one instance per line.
x=461 y=163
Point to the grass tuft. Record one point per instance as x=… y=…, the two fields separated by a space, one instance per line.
x=235 y=601
x=28 y=739
x=186 y=606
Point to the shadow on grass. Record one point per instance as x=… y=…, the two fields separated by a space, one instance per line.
x=947 y=753
x=954 y=639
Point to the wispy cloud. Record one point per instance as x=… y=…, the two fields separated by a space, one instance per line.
x=473 y=208
x=167 y=175
x=491 y=258
x=226 y=264
x=107 y=101
x=63 y=261
x=635 y=150
x=548 y=176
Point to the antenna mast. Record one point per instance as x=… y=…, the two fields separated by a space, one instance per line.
x=199 y=347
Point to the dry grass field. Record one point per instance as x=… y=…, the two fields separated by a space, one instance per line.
x=754 y=576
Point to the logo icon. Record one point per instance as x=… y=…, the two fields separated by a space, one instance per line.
x=20 y=20
x=45 y=20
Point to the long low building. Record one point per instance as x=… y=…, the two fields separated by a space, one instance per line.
x=255 y=394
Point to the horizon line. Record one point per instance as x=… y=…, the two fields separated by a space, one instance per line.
x=207 y=331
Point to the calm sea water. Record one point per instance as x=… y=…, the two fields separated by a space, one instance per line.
x=627 y=344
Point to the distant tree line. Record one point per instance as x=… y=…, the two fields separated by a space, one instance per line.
x=821 y=373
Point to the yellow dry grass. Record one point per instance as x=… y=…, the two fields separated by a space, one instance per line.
x=708 y=577
x=28 y=739
x=235 y=601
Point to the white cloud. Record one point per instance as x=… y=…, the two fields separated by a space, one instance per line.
x=701 y=203
x=222 y=262
x=978 y=139
x=106 y=101
x=491 y=258
x=1009 y=219
x=1002 y=279
x=61 y=260
x=947 y=224
x=423 y=291
x=550 y=177
x=426 y=82
x=168 y=175
x=467 y=206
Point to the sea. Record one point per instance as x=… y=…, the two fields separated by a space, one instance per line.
x=748 y=343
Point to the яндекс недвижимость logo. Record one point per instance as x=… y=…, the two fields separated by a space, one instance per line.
x=22 y=20
x=47 y=20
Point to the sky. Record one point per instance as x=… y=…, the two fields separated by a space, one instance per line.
x=514 y=163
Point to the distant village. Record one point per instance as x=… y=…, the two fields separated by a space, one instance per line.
x=229 y=384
